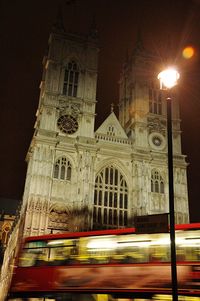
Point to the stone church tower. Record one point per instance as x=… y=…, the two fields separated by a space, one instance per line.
x=117 y=171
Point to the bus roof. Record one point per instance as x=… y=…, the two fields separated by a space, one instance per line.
x=102 y=232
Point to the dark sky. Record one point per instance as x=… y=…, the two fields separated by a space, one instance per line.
x=166 y=26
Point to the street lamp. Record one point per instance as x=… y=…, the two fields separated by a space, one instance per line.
x=168 y=79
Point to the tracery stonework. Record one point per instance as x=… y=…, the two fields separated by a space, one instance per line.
x=156 y=125
x=58 y=217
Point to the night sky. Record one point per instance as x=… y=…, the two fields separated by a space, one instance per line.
x=167 y=27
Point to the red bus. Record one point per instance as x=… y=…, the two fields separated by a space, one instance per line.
x=115 y=262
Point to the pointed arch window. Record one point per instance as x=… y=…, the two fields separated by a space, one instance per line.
x=110 y=199
x=157 y=183
x=62 y=169
x=5 y=233
x=155 y=99
x=71 y=76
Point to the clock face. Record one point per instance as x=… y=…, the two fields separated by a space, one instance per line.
x=67 y=124
x=157 y=141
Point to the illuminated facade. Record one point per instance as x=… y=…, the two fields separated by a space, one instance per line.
x=117 y=171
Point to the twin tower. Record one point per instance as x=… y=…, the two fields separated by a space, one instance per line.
x=116 y=171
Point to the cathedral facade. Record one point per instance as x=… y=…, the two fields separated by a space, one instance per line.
x=117 y=171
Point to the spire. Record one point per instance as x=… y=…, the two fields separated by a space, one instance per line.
x=139 y=47
x=93 y=32
x=127 y=56
x=126 y=59
x=112 y=107
x=58 y=25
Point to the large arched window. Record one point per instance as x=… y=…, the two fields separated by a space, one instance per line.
x=110 y=199
x=71 y=75
x=157 y=183
x=62 y=169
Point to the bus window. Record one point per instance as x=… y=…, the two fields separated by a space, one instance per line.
x=97 y=250
x=27 y=258
x=189 y=248
x=133 y=250
x=42 y=257
x=159 y=253
x=180 y=254
x=192 y=253
x=58 y=255
x=33 y=253
x=63 y=251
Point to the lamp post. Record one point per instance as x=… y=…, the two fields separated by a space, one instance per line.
x=168 y=79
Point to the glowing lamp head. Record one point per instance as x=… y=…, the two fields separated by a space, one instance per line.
x=168 y=78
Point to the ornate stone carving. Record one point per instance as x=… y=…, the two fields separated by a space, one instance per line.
x=58 y=217
x=49 y=111
x=68 y=108
x=156 y=125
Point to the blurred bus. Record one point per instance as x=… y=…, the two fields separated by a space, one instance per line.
x=113 y=262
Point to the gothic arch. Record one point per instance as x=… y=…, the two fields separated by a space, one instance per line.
x=59 y=207
x=58 y=216
x=62 y=168
x=67 y=156
x=110 y=207
x=70 y=59
x=5 y=232
x=157 y=181
x=117 y=164
x=70 y=77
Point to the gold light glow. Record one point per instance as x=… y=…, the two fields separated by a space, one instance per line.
x=102 y=244
x=188 y=52
x=168 y=78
